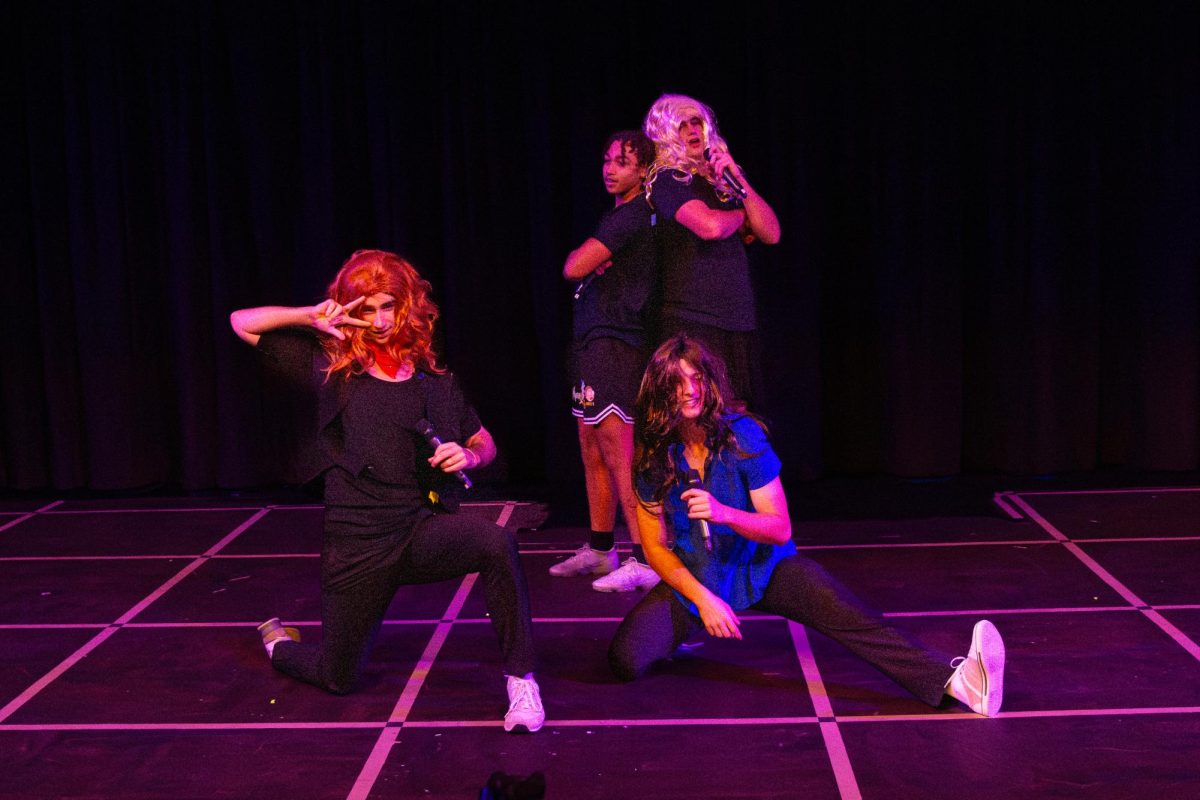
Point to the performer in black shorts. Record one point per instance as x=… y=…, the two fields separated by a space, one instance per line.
x=366 y=353
x=703 y=226
x=614 y=273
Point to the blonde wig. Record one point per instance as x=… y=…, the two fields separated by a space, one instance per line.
x=662 y=127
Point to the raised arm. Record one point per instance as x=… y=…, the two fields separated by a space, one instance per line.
x=760 y=217
x=327 y=316
x=768 y=523
x=585 y=259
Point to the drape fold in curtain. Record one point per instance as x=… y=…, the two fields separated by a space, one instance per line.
x=989 y=257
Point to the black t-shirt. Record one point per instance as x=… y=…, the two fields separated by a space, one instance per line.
x=703 y=281
x=612 y=305
x=371 y=438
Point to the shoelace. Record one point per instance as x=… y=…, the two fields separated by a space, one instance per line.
x=525 y=699
x=972 y=681
x=625 y=574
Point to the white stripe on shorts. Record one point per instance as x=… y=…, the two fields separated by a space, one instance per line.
x=597 y=418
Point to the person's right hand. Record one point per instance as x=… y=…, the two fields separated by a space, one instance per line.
x=329 y=316
x=719 y=619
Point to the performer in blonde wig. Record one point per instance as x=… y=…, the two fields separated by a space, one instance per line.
x=704 y=224
x=366 y=352
x=721 y=538
x=675 y=151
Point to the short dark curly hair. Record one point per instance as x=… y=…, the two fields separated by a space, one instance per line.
x=637 y=142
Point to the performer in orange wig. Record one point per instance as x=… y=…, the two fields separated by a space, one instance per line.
x=366 y=351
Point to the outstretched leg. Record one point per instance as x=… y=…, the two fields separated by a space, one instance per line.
x=801 y=590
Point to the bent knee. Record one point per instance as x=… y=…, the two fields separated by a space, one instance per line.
x=623 y=665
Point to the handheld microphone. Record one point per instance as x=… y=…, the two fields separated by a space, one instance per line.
x=586 y=282
x=426 y=429
x=693 y=482
x=730 y=179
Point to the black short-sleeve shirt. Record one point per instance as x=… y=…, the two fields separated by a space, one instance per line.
x=703 y=281
x=612 y=305
x=369 y=428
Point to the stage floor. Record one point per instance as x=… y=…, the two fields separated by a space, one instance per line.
x=130 y=666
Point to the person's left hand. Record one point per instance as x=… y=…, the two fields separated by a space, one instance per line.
x=450 y=457
x=702 y=505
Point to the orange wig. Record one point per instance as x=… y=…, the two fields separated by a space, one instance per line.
x=371 y=272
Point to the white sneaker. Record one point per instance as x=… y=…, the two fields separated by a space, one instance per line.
x=978 y=679
x=586 y=561
x=631 y=576
x=525 y=713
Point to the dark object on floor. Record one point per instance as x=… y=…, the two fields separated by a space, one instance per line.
x=502 y=786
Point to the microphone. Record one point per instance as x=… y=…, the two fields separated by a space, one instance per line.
x=730 y=179
x=693 y=482
x=586 y=282
x=591 y=276
x=426 y=429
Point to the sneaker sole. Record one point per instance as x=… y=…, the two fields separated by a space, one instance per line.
x=522 y=728
x=636 y=588
x=601 y=569
x=580 y=572
x=990 y=648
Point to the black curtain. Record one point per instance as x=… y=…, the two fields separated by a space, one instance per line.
x=990 y=218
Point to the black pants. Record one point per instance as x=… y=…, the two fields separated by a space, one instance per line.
x=799 y=590
x=360 y=575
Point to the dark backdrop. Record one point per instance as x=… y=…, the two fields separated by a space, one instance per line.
x=990 y=215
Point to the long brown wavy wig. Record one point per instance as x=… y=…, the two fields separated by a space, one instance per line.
x=370 y=272
x=657 y=417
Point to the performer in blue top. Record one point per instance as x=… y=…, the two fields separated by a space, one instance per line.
x=733 y=546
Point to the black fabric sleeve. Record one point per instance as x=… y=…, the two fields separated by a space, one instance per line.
x=456 y=420
x=619 y=226
x=288 y=354
x=669 y=193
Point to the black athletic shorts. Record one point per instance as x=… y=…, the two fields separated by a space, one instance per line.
x=606 y=374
